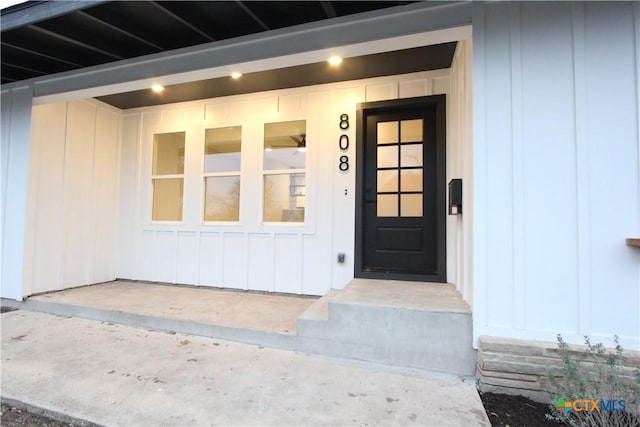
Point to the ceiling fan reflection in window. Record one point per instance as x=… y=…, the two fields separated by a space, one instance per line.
x=299 y=142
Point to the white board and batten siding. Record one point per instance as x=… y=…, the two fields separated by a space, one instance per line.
x=556 y=170
x=14 y=167
x=460 y=165
x=72 y=206
x=291 y=258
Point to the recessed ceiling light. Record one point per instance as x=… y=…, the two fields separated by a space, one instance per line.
x=236 y=75
x=335 y=60
x=157 y=88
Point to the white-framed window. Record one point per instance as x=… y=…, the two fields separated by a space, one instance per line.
x=167 y=176
x=222 y=156
x=284 y=171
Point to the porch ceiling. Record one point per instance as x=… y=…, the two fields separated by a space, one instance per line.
x=425 y=58
x=43 y=38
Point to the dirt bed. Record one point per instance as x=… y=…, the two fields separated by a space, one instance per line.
x=502 y=410
x=515 y=411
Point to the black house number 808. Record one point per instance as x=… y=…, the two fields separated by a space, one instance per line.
x=343 y=143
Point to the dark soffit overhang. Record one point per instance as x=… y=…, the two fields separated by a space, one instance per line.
x=404 y=61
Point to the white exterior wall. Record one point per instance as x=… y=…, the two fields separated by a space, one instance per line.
x=72 y=207
x=14 y=164
x=460 y=165
x=251 y=255
x=556 y=170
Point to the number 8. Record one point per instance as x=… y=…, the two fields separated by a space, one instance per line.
x=344 y=121
x=344 y=163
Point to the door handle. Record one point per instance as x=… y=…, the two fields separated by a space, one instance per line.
x=369 y=196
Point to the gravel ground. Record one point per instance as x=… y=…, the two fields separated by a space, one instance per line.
x=22 y=416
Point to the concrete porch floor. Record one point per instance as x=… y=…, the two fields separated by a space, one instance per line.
x=246 y=317
x=223 y=307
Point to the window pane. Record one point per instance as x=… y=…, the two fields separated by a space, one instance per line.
x=387 y=132
x=222 y=149
x=388 y=156
x=388 y=180
x=411 y=205
x=284 y=197
x=222 y=198
x=411 y=155
x=387 y=205
x=411 y=130
x=168 y=153
x=411 y=180
x=167 y=199
x=285 y=145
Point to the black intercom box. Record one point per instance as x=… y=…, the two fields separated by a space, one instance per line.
x=455 y=196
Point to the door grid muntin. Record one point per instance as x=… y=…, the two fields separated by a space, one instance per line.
x=398 y=195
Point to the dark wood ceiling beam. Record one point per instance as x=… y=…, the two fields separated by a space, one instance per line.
x=328 y=9
x=253 y=15
x=74 y=41
x=182 y=21
x=30 y=13
x=43 y=55
x=120 y=30
x=31 y=70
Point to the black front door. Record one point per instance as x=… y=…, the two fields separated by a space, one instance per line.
x=400 y=230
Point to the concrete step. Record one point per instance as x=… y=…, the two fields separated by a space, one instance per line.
x=415 y=325
x=319 y=310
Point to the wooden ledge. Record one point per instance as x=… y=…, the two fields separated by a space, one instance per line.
x=633 y=242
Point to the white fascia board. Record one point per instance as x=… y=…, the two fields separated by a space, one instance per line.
x=403 y=27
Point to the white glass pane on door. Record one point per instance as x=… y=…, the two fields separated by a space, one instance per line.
x=411 y=130
x=387 y=205
x=411 y=205
x=388 y=156
x=387 y=180
x=387 y=132
x=411 y=180
x=411 y=155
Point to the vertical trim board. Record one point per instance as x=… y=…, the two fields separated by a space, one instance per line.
x=517 y=167
x=479 y=177
x=583 y=220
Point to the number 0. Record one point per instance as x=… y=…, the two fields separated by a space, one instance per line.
x=343 y=143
